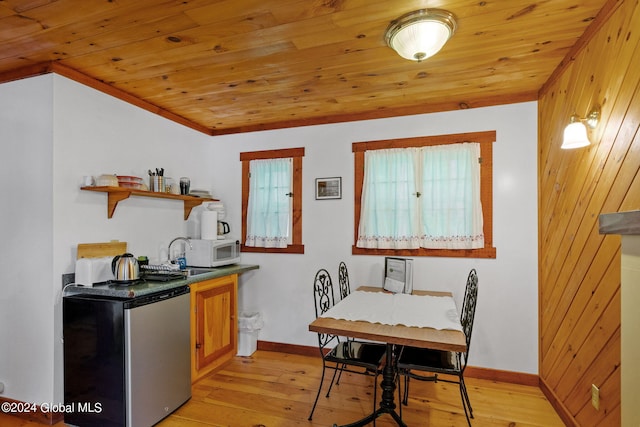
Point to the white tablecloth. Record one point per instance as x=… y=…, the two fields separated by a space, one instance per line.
x=398 y=309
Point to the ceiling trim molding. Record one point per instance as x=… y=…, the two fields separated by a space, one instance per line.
x=72 y=74
x=25 y=72
x=436 y=107
x=103 y=87
x=601 y=18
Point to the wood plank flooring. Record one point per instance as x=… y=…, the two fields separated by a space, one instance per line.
x=277 y=390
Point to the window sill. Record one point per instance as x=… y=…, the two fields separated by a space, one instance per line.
x=488 y=252
x=291 y=249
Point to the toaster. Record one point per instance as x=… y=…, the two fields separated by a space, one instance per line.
x=93 y=270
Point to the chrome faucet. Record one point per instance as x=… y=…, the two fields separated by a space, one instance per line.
x=187 y=241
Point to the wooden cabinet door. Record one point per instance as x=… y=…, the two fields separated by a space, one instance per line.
x=216 y=324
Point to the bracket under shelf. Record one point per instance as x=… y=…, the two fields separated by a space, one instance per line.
x=117 y=194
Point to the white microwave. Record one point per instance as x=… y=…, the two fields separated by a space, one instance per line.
x=212 y=253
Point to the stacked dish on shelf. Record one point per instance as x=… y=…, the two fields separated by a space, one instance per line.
x=200 y=193
x=133 y=182
x=107 y=180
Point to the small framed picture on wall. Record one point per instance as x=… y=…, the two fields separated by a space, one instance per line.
x=328 y=188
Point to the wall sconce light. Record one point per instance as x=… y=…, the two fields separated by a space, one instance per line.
x=420 y=34
x=575 y=134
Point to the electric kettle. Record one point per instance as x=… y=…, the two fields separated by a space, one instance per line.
x=125 y=268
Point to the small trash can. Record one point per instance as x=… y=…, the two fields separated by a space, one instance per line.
x=249 y=324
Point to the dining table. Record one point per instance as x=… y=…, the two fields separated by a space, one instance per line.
x=396 y=320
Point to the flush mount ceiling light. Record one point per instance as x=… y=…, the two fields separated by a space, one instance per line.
x=420 y=34
x=575 y=134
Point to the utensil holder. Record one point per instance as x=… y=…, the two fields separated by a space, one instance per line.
x=156 y=184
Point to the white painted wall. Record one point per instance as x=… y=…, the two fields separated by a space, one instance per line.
x=54 y=131
x=90 y=133
x=96 y=134
x=26 y=219
x=506 y=330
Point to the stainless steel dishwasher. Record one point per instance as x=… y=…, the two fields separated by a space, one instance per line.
x=127 y=360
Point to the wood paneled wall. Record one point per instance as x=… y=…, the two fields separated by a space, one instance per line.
x=579 y=269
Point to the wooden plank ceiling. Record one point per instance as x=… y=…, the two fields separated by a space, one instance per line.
x=230 y=66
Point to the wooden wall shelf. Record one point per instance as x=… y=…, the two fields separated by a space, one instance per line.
x=116 y=194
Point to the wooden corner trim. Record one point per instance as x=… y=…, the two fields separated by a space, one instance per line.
x=26 y=72
x=301 y=350
x=106 y=88
x=510 y=377
x=601 y=18
x=99 y=85
x=562 y=411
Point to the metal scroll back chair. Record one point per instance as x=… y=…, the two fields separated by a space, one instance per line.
x=351 y=356
x=343 y=280
x=343 y=285
x=413 y=360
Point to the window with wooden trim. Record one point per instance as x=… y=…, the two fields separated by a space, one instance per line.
x=407 y=191
x=278 y=227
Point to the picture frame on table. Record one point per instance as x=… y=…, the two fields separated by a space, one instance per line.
x=328 y=188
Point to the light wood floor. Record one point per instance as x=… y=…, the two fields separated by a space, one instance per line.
x=277 y=390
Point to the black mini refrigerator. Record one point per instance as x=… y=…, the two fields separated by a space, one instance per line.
x=126 y=360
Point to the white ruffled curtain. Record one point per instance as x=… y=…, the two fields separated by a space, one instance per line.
x=268 y=210
x=446 y=215
x=450 y=204
x=389 y=217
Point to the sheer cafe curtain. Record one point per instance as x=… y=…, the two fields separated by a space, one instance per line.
x=268 y=211
x=425 y=197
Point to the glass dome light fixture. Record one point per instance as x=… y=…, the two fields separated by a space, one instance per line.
x=575 y=134
x=420 y=34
